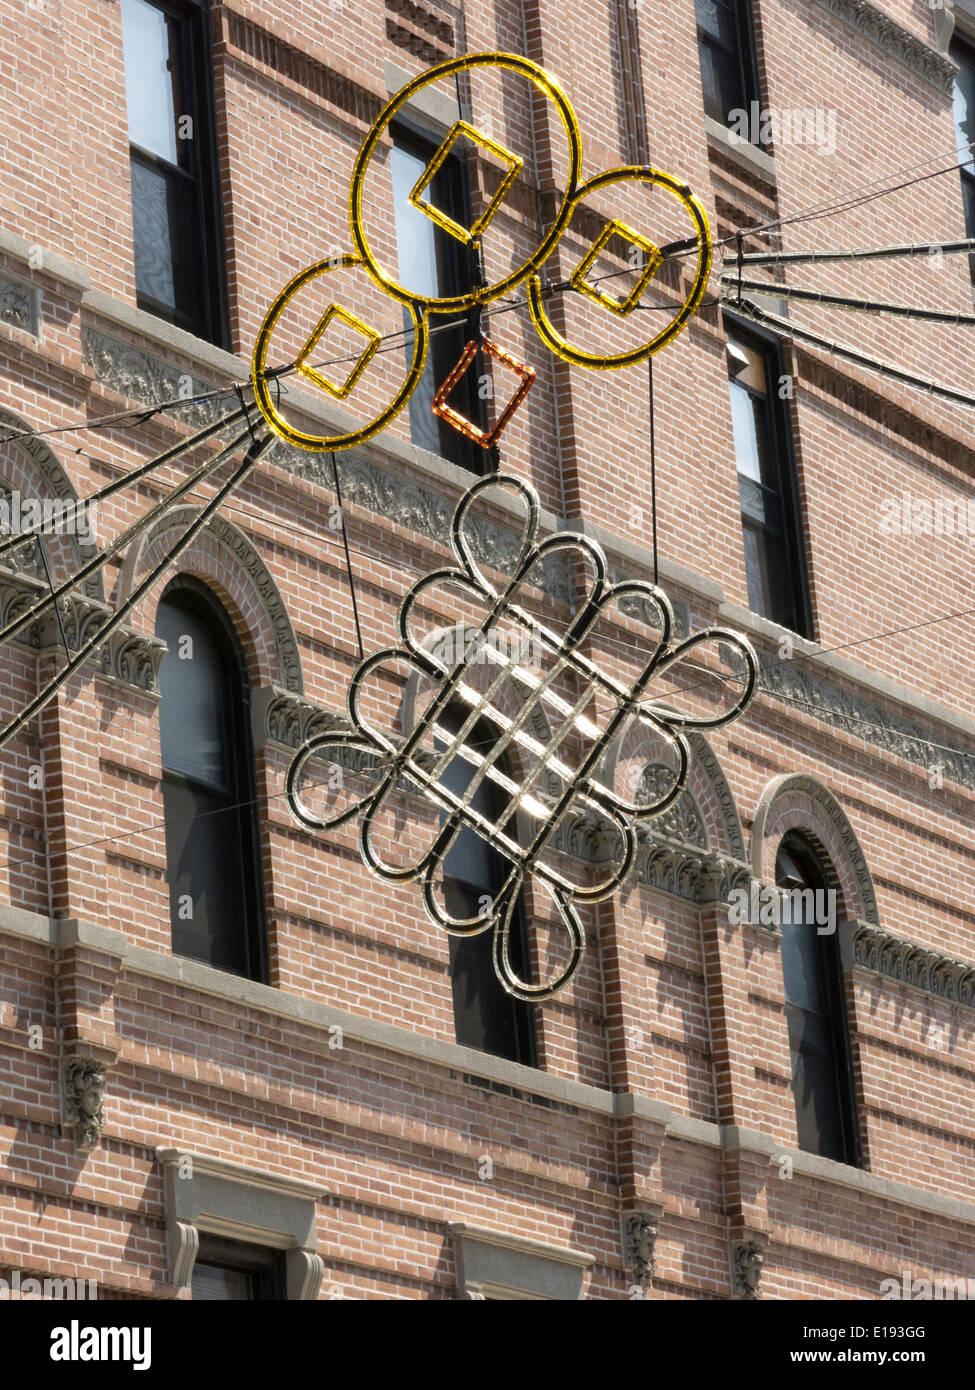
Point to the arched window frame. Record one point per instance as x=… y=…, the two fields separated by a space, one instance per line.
x=818 y=874
x=198 y=598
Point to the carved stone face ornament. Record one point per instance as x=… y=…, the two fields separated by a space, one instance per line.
x=748 y=1261
x=85 y=1081
x=642 y=1229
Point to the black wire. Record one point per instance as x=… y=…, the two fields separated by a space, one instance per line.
x=348 y=557
x=653 y=469
x=50 y=584
x=247 y=417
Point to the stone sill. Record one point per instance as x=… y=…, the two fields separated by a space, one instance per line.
x=751 y=160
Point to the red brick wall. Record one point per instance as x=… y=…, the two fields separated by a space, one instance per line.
x=672 y=1004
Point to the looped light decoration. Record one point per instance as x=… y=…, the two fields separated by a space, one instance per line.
x=562 y=688
x=421 y=306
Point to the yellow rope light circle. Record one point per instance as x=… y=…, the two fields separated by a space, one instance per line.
x=545 y=84
x=262 y=386
x=560 y=345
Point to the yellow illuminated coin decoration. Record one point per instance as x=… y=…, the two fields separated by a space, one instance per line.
x=420 y=306
x=599 y=361
x=544 y=83
x=263 y=383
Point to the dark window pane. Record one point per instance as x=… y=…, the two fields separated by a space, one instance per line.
x=717 y=20
x=232 y=1270
x=724 y=84
x=770 y=533
x=819 y=1126
x=768 y=575
x=964 y=111
x=206 y=875
x=177 y=225
x=813 y=984
x=212 y=868
x=167 y=251
x=485 y=1015
x=192 y=712
x=212 y=1283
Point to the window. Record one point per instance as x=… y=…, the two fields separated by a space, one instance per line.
x=175 y=205
x=726 y=48
x=486 y=1016
x=964 y=56
x=229 y=1269
x=766 y=486
x=822 y=1074
x=433 y=262
x=208 y=791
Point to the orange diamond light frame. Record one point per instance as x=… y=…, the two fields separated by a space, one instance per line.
x=486 y=439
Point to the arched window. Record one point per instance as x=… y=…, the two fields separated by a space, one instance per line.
x=822 y=1072
x=486 y=1016
x=216 y=896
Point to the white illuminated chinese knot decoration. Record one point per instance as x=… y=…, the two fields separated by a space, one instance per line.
x=420 y=761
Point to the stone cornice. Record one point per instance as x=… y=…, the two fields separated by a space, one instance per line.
x=790 y=682
x=240 y=1173
x=127 y=656
x=879 y=28
x=919 y=967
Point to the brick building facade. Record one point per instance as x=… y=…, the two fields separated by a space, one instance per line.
x=276 y=1102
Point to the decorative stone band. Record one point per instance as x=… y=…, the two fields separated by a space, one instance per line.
x=19 y=305
x=917 y=966
x=290 y=720
x=127 y=656
x=878 y=27
x=149 y=379
x=864 y=720
x=696 y=876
